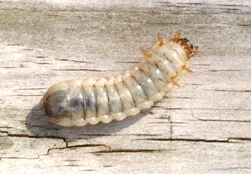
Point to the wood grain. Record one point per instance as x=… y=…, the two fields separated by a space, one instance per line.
x=201 y=127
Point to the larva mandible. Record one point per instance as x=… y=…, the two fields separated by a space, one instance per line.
x=80 y=102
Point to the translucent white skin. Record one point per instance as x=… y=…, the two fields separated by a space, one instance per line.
x=89 y=101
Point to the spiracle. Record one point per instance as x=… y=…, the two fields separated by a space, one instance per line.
x=89 y=101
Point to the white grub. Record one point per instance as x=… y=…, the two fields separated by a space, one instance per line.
x=89 y=101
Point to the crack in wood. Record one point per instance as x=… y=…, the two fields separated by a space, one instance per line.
x=228 y=70
x=241 y=121
x=17 y=158
x=78 y=146
x=86 y=145
x=56 y=148
x=129 y=151
x=226 y=90
x=32 y=136
x=29 y=95
x=32 y=88
x=231 y=168
x=186 y=139
x=79 y=69
x=43 y=63
x=171 y=126
x=238 y=139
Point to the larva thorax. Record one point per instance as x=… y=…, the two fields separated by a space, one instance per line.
x=89 y=101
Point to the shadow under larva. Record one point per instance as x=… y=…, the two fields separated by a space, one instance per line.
x=39 y=126
x=88 y=101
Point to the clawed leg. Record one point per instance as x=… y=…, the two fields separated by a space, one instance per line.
x=187 y=69
x=172 y=79
x=160 y=40
x=148 y=55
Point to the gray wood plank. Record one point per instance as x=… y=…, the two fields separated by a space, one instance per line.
x=201 y=127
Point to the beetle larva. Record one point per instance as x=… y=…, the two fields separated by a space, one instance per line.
x=89 y=101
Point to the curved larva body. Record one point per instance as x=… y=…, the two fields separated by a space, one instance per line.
x=89 y=101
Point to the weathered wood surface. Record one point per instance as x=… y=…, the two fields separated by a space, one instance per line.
x=202 y=127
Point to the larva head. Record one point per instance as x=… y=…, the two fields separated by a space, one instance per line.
x=62 y=104
x=189 y=48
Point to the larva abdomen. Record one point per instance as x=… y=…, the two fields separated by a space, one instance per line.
x=89 y=101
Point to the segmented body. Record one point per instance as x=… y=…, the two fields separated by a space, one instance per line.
x=89 y=101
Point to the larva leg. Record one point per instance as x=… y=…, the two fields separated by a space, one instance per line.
x=160 y=40
x=185 y=68
x=172 y=79
x=148 y=55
